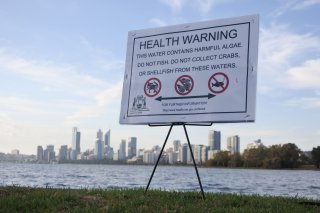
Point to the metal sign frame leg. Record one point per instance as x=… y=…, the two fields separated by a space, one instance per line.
x=191 y=152
x=194 y=162
x=155 y=167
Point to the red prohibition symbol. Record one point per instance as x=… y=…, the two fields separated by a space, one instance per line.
x=152 y=87
x=184 y=85
x=218 y=82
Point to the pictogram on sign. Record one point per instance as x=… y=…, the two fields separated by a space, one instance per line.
x=152 y=87
x=218 y=82
x=184 y=85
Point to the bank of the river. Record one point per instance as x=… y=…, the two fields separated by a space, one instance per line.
x=26 y=199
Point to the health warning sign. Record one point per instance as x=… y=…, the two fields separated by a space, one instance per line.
x=192 y=73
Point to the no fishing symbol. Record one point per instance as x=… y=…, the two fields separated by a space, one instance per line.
x=152 y=87
x=218 y=82
x=184 y=85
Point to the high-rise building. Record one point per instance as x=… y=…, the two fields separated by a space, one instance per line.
x=100 y=135
x=149 y=157
x=50 y=148
x=63 y=153
x=109 y=153
x=122 y=150
x=107 y=139
x=189 y=157
x=108 y=150
x=15 y=152
x=183 y=150
x=115 y=156
x=198 y=153
x=132 y=147
x=214 y=140
x=204 y=154
x=176 y=144
x=39 y=153
x=49 y=154
x=75 y=143
x=233 y=144
x=98 y=149
x=172 y=157
x=255 y=145
x=140 y=152
x=69 y=154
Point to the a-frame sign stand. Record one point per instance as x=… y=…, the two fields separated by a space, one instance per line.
x=164 y=144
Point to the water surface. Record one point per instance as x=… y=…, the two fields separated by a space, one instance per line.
x=301 y=183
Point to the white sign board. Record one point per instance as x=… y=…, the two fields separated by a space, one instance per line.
x=192 y=73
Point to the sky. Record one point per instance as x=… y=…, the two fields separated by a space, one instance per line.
x=62 y=65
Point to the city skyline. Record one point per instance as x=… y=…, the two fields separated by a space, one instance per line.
x=232 y=142
x=62 y=65
x=102 y=150
x=76 y=142
x=176 y=154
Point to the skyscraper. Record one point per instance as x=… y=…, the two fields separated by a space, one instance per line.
x=98 y=149
x=122 y=150
x=63 y=153
x=198 y=153
x=176 y=144
x=149 y=157
x=100 y=134
x=49 y=154
x=214 y=140
x=39 y=153
x=183 y=150
x=107 y=139
x=75 y=143
x=132 y=147
x=233 y=144
x=204 y=154
x=189 y=157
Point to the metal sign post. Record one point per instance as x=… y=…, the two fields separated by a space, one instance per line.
x=189 y=144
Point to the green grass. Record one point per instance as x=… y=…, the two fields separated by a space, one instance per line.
x=25 y=199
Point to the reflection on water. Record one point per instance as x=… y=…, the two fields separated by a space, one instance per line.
x=243 y=181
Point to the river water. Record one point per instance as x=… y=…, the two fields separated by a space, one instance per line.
x=299 y=183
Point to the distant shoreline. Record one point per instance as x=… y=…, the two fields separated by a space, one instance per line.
x=86 y=162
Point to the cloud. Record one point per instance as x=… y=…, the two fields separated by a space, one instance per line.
x=175 y=5
x=304 y=4
x=7 y=125
x=26 y=136
x=305 y=76
x=85 y=96
x=279 y=52
x=157 y=22
x=111 y=65
x=34 y=111
x=278 y=44
x=204 y=6
x=294 y=5
x=17 y=104
x=283 y=9
x=99 y=107
x=63 y=77
x=305 y=102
